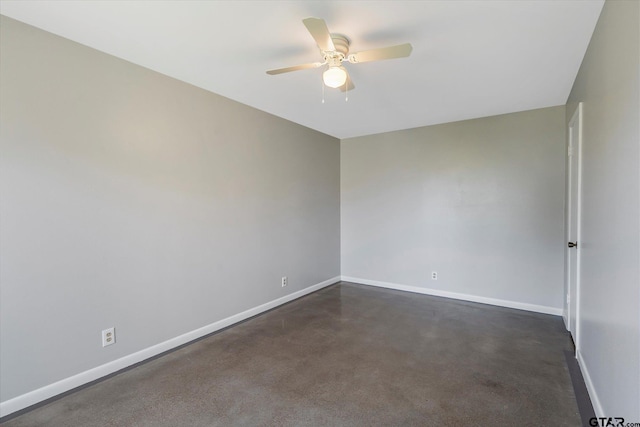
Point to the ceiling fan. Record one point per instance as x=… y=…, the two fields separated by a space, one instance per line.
x=335 y=50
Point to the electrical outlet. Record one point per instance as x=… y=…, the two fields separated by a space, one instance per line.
x=434 y=275
x=284 y=281
x=108 y=336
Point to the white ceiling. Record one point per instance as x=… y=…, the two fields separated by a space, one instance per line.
x=470 y=58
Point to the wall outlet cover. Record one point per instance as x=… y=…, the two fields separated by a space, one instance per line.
x=108 y=336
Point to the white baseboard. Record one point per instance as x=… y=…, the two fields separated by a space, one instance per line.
x=454 y=295
x=31 y=398
x=593 y=395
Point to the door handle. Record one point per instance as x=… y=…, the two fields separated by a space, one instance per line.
x=572 y=244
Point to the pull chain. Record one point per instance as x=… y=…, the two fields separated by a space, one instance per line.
x=346 y=94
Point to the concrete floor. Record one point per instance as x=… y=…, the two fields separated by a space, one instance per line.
x=346 y=355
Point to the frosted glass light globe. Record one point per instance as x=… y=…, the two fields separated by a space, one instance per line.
x=334 y=77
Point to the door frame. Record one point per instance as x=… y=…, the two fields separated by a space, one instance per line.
x=573 y=211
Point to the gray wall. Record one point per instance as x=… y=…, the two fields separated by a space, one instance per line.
x=610 y=242
x=133 y=200
x=480 y=201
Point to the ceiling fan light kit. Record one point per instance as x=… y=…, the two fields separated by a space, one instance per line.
x=334 y=49
x=335 y=77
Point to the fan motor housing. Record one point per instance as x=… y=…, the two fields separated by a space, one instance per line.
x=341 y=43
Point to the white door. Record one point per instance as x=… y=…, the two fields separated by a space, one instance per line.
x=573 y=225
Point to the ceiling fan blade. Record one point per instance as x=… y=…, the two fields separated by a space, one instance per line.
x=294 y=68
x=391 y=52
x=319 y=31
x=348 y=86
